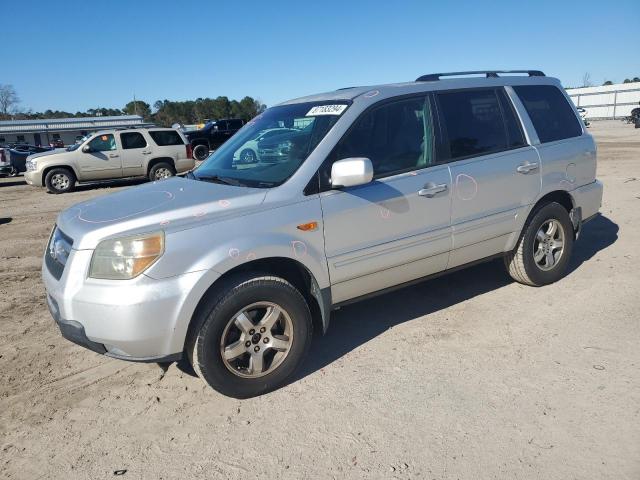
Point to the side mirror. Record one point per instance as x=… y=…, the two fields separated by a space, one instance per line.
x=86 y=149
x=351 y=172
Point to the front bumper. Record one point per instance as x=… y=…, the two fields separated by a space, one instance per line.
x=33 y=177
x=142 y=319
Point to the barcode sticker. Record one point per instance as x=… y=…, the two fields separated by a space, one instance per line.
x=326 y=110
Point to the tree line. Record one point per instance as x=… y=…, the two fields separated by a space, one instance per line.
x=164 y=112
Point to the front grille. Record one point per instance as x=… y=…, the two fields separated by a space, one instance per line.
x=57 y=253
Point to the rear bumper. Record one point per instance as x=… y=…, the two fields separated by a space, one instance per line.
x=588 y=198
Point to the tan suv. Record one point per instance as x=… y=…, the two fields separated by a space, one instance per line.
x=156 y=153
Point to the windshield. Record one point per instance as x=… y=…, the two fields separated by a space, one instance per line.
x=79 y=142
x=271 y=147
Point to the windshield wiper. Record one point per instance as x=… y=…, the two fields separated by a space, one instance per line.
x=218 y=179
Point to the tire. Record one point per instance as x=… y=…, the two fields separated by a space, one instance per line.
x=13 y=172
x=200 y=152
x=537 y=259
x=161 y=171
x=60 y=180
x=248 y=156
x=221 y=325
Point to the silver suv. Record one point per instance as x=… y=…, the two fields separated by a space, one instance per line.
x=234 y=265
x=156 y=153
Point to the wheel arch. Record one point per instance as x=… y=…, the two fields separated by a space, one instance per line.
x=157 y=160
x=48 y=168
x=291 y=270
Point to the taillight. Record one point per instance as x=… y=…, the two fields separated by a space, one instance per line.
x=189 y=150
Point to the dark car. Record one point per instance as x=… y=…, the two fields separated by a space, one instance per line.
x=17 y=157
x=56 y=143
x=212 y=135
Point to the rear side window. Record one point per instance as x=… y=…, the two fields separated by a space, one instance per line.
x=166 y=137
x=132 y=140
x=235 y=124
x=478 y=122
x=551 y=114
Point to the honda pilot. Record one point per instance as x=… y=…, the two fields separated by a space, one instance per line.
x=234 y=266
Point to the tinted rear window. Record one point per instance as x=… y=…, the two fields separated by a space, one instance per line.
x=473 y=122
x=550 y=112
x=166 y=137
x=132 y=140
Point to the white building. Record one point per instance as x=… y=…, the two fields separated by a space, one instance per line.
x=607 y=101
x=44 y=131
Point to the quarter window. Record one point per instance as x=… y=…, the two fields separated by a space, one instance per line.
x=166 y=137
x=103 y=143
x=396 y=137
x=550 y=112
x=474 y=123
x=132 y=140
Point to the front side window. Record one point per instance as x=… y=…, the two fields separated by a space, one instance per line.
x=103 y=143
x=397 y=137
x=132 y=140
x=253 y=158
x=550 y=112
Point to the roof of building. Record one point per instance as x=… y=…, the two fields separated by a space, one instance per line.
x=75 y=123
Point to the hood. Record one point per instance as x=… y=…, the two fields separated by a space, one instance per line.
x=47 y=153
x=169 y=205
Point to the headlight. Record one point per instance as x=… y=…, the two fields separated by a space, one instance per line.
x=31 y=165
x=127 y=257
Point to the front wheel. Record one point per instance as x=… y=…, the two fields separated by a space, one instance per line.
x=544 y=249
x=13 y=172
x=60 y=180
x=251 y=336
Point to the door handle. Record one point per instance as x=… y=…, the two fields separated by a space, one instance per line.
x=146 y=153
x=431 y=189
x=527 y=167
x=113 y=155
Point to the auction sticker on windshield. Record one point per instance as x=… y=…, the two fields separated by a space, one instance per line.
x=326 y=110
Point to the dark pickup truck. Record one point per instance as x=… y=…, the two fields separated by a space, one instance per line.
x=212 y=135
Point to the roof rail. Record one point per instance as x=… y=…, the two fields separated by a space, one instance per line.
x=432 y=77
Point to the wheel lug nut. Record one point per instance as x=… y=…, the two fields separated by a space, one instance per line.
x=247 y=344
x=265 y=340
x=262 y=330
x=256 y=349
x=252 y=331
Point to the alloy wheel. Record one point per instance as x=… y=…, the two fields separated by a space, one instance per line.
x=256 y=340
x=548 y=245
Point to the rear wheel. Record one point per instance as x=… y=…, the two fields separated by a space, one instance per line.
x=200 y=152
x=543 y=252
x=161 y=171
x=251 y=336
x=60 y=180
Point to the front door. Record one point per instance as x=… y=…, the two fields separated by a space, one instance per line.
x=396 y=228
x=495 y=174
x=103 y=159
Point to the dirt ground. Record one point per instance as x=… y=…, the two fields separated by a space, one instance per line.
x=468 y=376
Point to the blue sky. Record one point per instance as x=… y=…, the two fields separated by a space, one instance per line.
x=72 y=55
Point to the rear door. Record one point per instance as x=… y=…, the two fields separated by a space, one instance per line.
x=134 y=151
x=495 y=174
x=103 y=160
x=396 y=228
